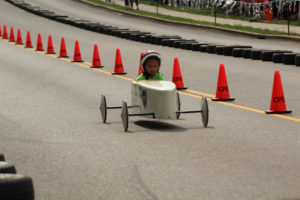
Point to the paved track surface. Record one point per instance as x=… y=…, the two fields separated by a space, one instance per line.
x=51 y=129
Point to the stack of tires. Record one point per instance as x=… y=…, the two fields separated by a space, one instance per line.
x=14 y=186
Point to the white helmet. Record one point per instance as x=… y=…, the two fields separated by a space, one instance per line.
x=146 y=56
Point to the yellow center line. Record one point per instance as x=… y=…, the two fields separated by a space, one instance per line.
x=186 y=92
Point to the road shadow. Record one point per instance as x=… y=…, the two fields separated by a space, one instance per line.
x=159 y=126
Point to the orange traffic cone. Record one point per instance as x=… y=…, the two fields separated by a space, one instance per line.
x=277 y=101
x=28 y=41
x=119 y=69
x=140 y=67
x=222 y=93
x=177 y=78
x=96 y=58
x=12 y=35
x=50 y=49
x=4 y=36
x=19 y=38
x=39 y=45
x=63 y=50
x=77 y=55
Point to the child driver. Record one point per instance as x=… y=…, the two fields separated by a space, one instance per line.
x=150 y=62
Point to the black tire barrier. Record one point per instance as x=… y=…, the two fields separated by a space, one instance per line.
x=297 y=60
x=196 y=46
x=247 y=53
x=160 y=38
x=203 y=48
x=177 y=44
x=116 y=32
x=289 y=58
x=256 y=54
x=6 y=168
x=153 y=38
x=228 y=49
x=171 y=42
x=277 y=57
x=219 y=49
x=2 y=157
x=237 y=52
x=188 y=45
x=147 y=38
x=267 y=55
x=165 y=42
x=211 y=48
x=16 y=187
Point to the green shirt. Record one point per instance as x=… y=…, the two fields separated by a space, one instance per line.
x=157 y=76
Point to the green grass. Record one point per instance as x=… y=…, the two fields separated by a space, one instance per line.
x=179 y=19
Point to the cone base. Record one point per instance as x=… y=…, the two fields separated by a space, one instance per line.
x=119 y=73
x=183 y=88
x=29 y=47
x=51 y=53
x=97 y=66
x=40 y=50
x=278 y=111
x=63 y=56
x=80 y=61
x=19 y=43
x=225 y=99
x=11 y=41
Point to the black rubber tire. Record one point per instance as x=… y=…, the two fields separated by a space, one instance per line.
x=211 y=48
x=16 y=187
x=203 y=48
x=277 y=57
x=267 y=55
x=297 y=60
x=165 y=42
x=2 y=157
x=289 y=58
x=237 y=52
x=247 y=53
x=6 y=168
x=228 y=49
x=256 y=54
x=187 y=46
x=153 y=39
x=196 y=46
x=219 y=49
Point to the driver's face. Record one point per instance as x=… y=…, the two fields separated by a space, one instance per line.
x=152 y=66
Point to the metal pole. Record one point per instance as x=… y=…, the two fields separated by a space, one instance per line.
x=215 y=12
x=157 y=7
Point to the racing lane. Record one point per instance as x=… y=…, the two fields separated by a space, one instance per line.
x=51 y=130
x=81 y=10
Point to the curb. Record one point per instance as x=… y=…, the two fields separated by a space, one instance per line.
x=244 y=33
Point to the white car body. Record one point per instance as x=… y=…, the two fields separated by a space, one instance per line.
x=153 y=96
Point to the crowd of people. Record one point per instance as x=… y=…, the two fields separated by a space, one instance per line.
x=256 y=9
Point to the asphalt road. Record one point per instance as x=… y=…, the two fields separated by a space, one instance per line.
x=51 y=127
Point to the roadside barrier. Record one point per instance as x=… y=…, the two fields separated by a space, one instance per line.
x=77 y=54
x=96 y=58
x=63 y=51
x=119 y=68
x=222 y=93
x=28 y=41
x=19 y=38
x=39 y=45
x=12 y=35
x=277 y=101
x=50 y=48
x=177 y=77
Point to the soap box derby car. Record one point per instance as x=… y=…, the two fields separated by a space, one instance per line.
x=153 y=99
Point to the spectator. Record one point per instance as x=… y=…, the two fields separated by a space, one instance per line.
x=268 y=13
